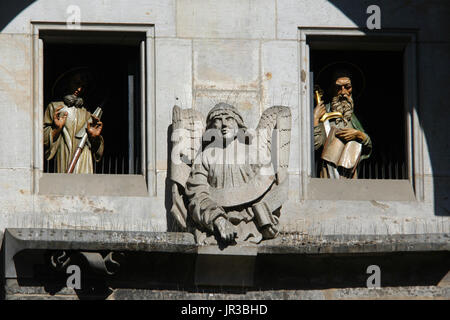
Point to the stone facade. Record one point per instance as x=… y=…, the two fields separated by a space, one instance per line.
x=202 y=52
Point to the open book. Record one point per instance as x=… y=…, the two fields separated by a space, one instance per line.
x=345 y=155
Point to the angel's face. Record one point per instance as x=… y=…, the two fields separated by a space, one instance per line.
x=227 y=126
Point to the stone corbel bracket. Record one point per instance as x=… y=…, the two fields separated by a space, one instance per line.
x=108 y=264
x=88 y=244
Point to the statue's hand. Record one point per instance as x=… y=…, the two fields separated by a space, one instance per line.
x=319 y=111
x=59 y=119
x=227 y=230
x=348 y=134
x=95 y=129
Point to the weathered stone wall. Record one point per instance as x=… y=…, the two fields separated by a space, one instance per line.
x=243 y=51
x=16 y=292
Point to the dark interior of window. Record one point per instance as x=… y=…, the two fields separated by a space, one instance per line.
x=379 y=107
x=116 y=70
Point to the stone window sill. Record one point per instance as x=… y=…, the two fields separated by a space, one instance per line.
x=93 y=185
x=361 y=189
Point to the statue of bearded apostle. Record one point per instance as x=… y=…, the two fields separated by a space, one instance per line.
x=233 y=190
x=348 y=128
x=65 y=123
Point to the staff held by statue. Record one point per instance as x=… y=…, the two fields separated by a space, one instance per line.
x=97 y=114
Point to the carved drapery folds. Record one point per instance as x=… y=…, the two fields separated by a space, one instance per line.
x=229 y=182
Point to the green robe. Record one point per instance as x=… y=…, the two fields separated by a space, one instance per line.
x=63 y=149
x=320 y=137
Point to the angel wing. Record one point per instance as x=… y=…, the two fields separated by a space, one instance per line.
x=188 y=126
x=276 y=122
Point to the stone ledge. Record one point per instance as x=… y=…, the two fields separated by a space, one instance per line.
x=119 y=185
x=385 y=293
x=397 y=293
x=339 y=244
x=60 y=239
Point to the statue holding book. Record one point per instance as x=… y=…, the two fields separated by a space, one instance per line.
x=339 y=138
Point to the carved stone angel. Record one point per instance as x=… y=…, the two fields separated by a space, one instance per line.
x=229 y=182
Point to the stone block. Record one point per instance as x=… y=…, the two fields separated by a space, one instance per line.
x=387 y=190
x=280 y=74
x=15 y=101
x=291 y=15
x=254 y=19
x=247 y=102
x=98 y=213
x=294 y=186
x=15 y=196
x=434 y=64
x=15 y=182
x=226 y=64
x=96 y=184
x=232 y=266
x=161 y=184
x=161 y=13
x=173 y=86
x=280 y=81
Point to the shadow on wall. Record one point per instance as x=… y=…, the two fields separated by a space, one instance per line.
x=429 y=19
x=10 y=9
